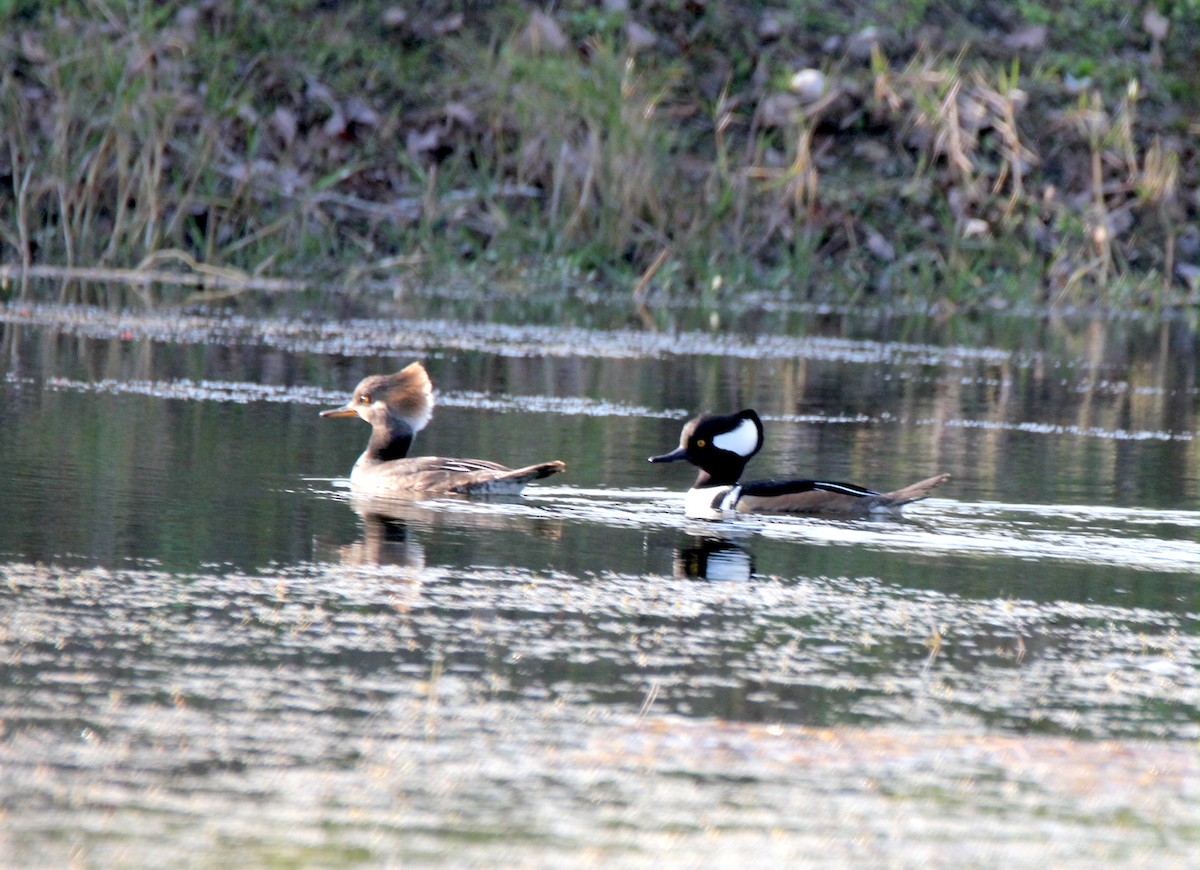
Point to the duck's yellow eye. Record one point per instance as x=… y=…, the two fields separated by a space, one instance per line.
x=701 y=443
x=364 y=399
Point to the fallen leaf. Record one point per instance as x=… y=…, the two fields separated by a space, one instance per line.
x=808 y=85
x=879 y=246
x=1119 y=222
x=336 y=124
x=863 y=43
x=460 y=112
x=418 y=142
x=779 y=110
x=358 y=112
x=1190 y=273
x=770 y=27
x=638 y=37
x=394 y=17
x=1074 y=85
x=975 y=227
x=1156 y=24
x=543 y=35
x=449 y=24
x=32 y=48
x=283 y=122
x=187 y=18
x=872 y=151
x=1032 y=38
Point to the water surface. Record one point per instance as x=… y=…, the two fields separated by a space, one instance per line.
x=198 y=618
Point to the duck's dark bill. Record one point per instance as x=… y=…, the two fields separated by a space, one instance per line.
x=340 y=412
x=673 y=456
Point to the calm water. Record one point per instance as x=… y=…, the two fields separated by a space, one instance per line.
x=197 y=618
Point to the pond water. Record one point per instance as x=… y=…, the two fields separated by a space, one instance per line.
x=211 y=652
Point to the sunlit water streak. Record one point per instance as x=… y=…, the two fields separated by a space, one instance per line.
x=1072 y=533
x=384 y=336
x=1107 y=536
x=242 y=392
x=362 y=714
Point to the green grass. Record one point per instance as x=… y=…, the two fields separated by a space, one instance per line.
x=325 y=141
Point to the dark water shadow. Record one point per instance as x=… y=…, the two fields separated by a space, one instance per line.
x=392 y=528
x=713 y=557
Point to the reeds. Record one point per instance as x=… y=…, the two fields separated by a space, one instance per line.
x=523 y=141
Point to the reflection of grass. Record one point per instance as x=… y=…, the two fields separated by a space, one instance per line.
x=346 y=140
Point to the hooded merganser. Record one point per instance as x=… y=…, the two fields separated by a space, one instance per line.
x=399 y=406
x=721 y=447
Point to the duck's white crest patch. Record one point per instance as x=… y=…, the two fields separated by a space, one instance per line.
x=743 y=440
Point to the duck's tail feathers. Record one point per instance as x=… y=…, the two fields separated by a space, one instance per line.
x=537 y=472
x=512 y=481
x=914 y=491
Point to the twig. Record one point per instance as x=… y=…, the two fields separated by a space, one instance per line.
x=639 y=291
x=141 y=276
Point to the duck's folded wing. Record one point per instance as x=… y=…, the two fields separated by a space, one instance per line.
x=436 y=474
x=805 y=497
x=829 y=498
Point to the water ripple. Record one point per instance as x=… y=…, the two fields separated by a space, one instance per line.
x=242 y=392
x=1069 y=533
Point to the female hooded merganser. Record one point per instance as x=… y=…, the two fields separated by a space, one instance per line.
x=398 y=407
x=721 y=447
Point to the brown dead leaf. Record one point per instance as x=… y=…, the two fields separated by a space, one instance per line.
x=284 y=123
x=808 y=84
x=1119 y=222
x=358 y=112
x=1189 y=273
x=879 y=246
x=449 y=24
x=1032 y=38
x=542 y=36
x=961 y=200
x=394 y=17
x=975 y=227
x=638 y=37
x=336 y=124
x=872 y=151
x=779 y=110
x=420 y=142
x=139 y=58
x=32 y=48
x=318 y=92
x=770 y=26
x=187 y=19
x=864 y=42
x=459 y=112
x=1156 y=24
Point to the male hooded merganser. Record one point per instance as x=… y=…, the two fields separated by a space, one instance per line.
x=398 y=407
x=721 y=447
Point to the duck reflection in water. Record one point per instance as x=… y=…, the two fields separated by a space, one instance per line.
x=385 y=540
x=392 y=526
x=704 y=557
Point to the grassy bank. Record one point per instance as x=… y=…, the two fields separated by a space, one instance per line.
x=972 y=154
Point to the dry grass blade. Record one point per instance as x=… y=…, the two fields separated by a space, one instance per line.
x=206 y=277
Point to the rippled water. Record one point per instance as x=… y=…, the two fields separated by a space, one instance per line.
x=212 y=652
